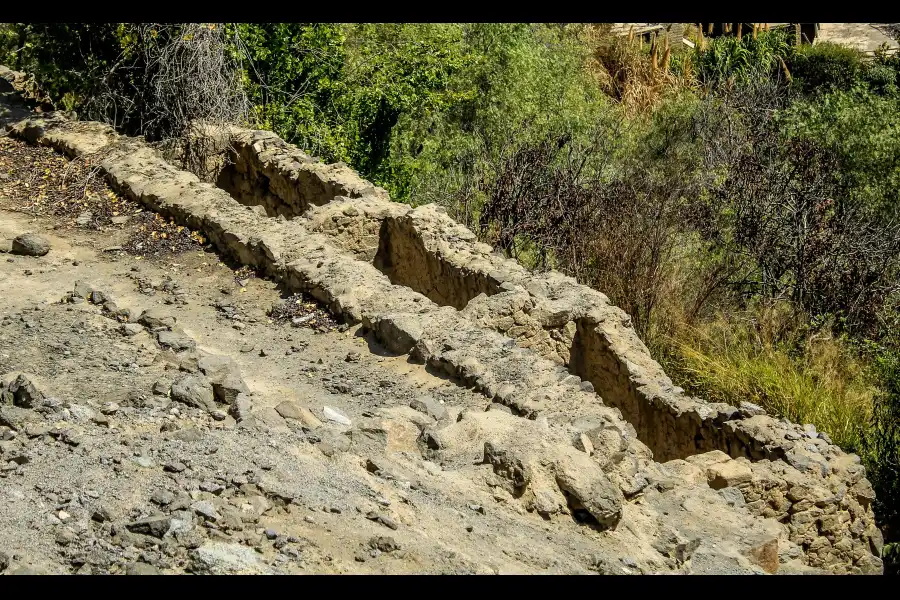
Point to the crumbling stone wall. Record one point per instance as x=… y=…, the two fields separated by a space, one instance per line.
x=258 y=168
x=538 y=344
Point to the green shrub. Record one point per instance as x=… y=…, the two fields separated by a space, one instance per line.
x=826 y=66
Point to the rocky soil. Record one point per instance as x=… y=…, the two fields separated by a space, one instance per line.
x=164 y=411
x=124 y=379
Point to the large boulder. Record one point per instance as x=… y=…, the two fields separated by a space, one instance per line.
x=587 y=488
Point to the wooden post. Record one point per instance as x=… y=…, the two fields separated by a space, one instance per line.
x=709 y=29
x=739 y=27
x=754 y=30
x=797 y=34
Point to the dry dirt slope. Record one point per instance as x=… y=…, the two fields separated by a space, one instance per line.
x=105 y=450
x=108 y=474
x=165 y=422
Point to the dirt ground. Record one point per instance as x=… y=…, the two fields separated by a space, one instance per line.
x=94 y=475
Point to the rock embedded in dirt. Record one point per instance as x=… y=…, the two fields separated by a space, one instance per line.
x=162 y=497
x=131 y=329
x=175 y=341
x=266 y=420
x=384 y=544
x=194 y=390
x=23 y=392
x=430 y=407
x=290 y=410
x=229 y=388
x=141 y=568
x=161 y=388
x=156 y=318
x=241 y=407
x=156 y=526
x=333 y=414
x=189 y=434
x=30 y=244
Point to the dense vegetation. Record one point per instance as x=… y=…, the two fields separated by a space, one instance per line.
x=739 y=200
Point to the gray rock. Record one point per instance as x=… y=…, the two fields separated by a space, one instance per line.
x=216 y=367
x=241 y=407
x=156 y=526
x=24 y=393
x=206 y=510
x=430 y=407
x=732 y=496
x=189 y=434
x=156 y=318
x=384 y=544
x=194 y=390
x=212 y=487
x=589 y=489
x=266 y=420
x=145 y=462
x=162 y=497
x=131 y=329
x=30 y=244
x=174 y=467
x=141 y=568
x=748 y=409
x=383 y=519
x=333 y=442
x=65 y=536
x=175 y=340
x=227 y=389
x=220 y=558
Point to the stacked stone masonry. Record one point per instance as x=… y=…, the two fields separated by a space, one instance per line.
x=551 y=350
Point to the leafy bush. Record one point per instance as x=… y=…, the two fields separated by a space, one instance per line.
x=826 y=67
